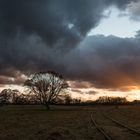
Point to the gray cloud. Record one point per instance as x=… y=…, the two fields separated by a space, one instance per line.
x=50 y=19
x=107 y=62
x=35 y=35
x=102 y=62
x=134 y=10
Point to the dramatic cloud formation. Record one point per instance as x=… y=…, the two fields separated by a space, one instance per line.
x=52 y=34
x=56 y=22
x=108 y=62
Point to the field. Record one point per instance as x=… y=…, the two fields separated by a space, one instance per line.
x=69 y=123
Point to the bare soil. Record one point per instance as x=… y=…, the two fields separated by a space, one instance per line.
x=34 y=122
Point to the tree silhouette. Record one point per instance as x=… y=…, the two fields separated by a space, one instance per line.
x=14 y=96
x=68 y=99
x=111 y=100
x=46 y=86
x=5 y=96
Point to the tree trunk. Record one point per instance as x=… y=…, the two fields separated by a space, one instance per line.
x=47 y=106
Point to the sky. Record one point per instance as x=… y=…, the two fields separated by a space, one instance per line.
x=118 y=23
x=94 y=44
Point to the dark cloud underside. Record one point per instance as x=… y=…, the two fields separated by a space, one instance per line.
x=52 y=34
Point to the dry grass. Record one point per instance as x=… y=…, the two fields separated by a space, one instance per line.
x=61 y=123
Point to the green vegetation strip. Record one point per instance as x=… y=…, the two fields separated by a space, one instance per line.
x=100 y=129
x=122 y=125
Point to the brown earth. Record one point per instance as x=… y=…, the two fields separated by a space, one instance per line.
x=66 y=123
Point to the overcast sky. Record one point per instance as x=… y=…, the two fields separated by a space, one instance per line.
x=95 y=44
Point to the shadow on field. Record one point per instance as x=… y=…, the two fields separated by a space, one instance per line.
x=42 y=108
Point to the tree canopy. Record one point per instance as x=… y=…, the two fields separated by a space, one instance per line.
x=46 y=86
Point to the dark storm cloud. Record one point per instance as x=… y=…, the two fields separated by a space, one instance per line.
x=51 y=19
x=99 y=61
x=107 y=62
x=35 y=34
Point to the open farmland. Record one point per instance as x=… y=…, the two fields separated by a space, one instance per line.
x=69 y=123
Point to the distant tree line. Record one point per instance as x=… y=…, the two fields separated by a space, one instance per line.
x=112 y=100
x=8 y=96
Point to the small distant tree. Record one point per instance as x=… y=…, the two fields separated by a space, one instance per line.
x=14 y=96
x=46 y=86
x=76 y=101
x=5 y=96
x=136 y=102
x=68 y=99
x=21 y=99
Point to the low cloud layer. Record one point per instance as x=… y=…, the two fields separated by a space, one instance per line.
x=52 y=34
x=108 y=62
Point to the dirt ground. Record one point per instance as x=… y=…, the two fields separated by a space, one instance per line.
x=66 y=123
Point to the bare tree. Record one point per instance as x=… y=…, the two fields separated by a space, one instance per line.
x=5 y=96
x=14 y=96
x=68 y=99
x=46 y=86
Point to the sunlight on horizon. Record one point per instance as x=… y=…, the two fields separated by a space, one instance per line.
x=129 y=95
x=134 y=94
